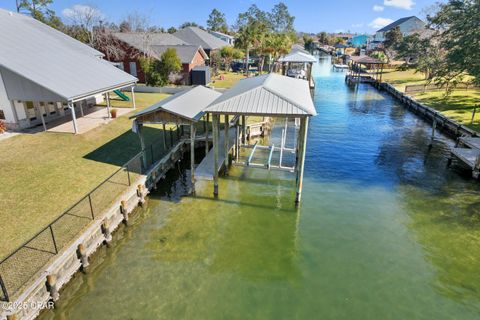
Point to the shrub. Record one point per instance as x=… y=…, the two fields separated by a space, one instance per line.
x=3 y=127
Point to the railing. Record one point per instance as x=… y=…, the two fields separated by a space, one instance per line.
x=437 y=87
x=22 y=264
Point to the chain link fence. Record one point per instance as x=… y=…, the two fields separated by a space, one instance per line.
x=438 y=87
x=21 y=265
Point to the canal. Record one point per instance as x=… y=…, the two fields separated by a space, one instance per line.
x=385 y=231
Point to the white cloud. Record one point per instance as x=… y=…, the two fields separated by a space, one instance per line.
x=378 y=8
x=82 y=11
x=402 y=4
x=379 y=23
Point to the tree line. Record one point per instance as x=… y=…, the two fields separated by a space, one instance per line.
x=447 y=51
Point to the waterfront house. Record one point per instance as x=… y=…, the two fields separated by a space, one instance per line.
x=225 y=37
x=359 y=41
x=136 y=45
x=46 y=75
x=201 y=38
x=407 y=25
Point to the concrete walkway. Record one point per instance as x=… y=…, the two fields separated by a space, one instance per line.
x=85 y=123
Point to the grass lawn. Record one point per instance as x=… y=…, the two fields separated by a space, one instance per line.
x=401 y=79
x=43 y=174
x=458 y=106
x=230 y=79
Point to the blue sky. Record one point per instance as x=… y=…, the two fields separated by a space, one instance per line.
x=311 y=16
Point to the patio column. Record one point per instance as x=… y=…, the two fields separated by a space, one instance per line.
x=107 y=97
x=74 y=118
x=225 y=143
x=215 y=154
x=192 y=155
x=301 y=160
x=81 y=108
x=133 y=98
x=41 y=116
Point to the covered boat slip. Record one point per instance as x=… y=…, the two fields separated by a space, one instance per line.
x=271 y=95
x=298 y=59
x=364 y=69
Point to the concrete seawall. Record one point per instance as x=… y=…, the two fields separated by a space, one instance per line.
x=43 y=288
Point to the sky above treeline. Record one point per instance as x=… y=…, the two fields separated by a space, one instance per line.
x=357 y=16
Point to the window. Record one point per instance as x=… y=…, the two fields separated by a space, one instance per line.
x=2 y=115
x=30 y=110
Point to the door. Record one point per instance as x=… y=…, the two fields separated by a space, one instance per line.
x=133 y=68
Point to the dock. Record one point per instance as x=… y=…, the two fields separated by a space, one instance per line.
x=467 y=152
x=204 y=170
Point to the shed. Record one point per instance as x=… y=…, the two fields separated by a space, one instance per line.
x=201 y=75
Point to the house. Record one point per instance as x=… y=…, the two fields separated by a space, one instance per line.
x=408 y=26
x=201 y=38
x=225 y=37
x=359 y=41
x=135 y=45
x=46 y=75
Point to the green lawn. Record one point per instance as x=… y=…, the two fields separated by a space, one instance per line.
x=458 y=106
x=230 y=79
x=400 y=79
x=45 y=173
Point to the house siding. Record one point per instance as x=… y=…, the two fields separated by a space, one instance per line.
x=5 y=104
x=407 y=28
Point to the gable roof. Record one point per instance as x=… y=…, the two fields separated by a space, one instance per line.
x=397 y=23
x=298 y=56
x=139 y=40
x=199 y=37
x=189 y=104
x=39 y=56
x=159 y=42
x=269 y=94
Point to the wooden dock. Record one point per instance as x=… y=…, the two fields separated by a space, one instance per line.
x=467 y=151
x=204 y=171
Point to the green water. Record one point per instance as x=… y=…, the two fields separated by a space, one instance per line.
x=385 y=231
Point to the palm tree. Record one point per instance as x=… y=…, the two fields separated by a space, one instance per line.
x=281 y=43
x=249 y=37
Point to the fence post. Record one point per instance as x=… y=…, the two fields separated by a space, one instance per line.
x=171 y=137
x=53 y=238
x=91 y=206
x=4 y=289
x=473 y=114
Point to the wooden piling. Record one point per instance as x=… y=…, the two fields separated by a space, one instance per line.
x=244 y=129
x=207 y=122
x=301 y=161
x=215 y=122
x=192 y=155
x=225 y=143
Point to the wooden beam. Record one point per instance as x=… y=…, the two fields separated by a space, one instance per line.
x=192 y=155
x=244 y=129
x=142 y=144
x=237 y=141
x=206 y=124
x=225 y=143
x=301 y=162
x=215 y=121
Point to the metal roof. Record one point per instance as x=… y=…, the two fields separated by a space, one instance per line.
x=365 y=60
x=40 y=58
x=199 y=37
x=189 y=104
x=270 y=94
x=397 y=23
x=298 y=47
x=298 y=56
